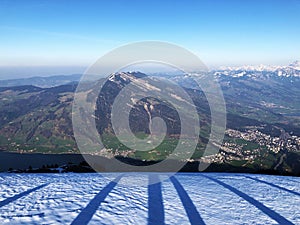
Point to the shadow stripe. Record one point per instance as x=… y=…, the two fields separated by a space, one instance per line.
x=87 y=213
x=271 y=213
x=17 y=196
x=274 y=185
x=188 y=204
x=156 y=213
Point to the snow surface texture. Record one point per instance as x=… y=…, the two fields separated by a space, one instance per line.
x=186 y=198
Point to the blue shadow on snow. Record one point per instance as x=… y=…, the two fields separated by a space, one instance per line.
x=271 y=213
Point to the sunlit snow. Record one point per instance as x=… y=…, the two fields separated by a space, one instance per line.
x=202 y=198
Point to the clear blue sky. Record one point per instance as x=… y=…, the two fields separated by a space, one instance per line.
x=76 y=33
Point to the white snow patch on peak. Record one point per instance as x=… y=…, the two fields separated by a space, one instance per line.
x=295 y=65
x=241 y=74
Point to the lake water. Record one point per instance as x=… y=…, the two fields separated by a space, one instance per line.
x=35 y=160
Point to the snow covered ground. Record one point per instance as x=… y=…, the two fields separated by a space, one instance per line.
x=208 y=198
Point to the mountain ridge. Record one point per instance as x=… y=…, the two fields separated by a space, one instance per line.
x=291 y=70
x=262 y=127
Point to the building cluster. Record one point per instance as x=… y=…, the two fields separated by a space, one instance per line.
x=285 y=141
x=249 y=144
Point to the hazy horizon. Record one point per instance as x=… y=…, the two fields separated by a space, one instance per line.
x=16 y=72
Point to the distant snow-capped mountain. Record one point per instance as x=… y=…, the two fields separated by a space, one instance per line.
x=291 y=70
